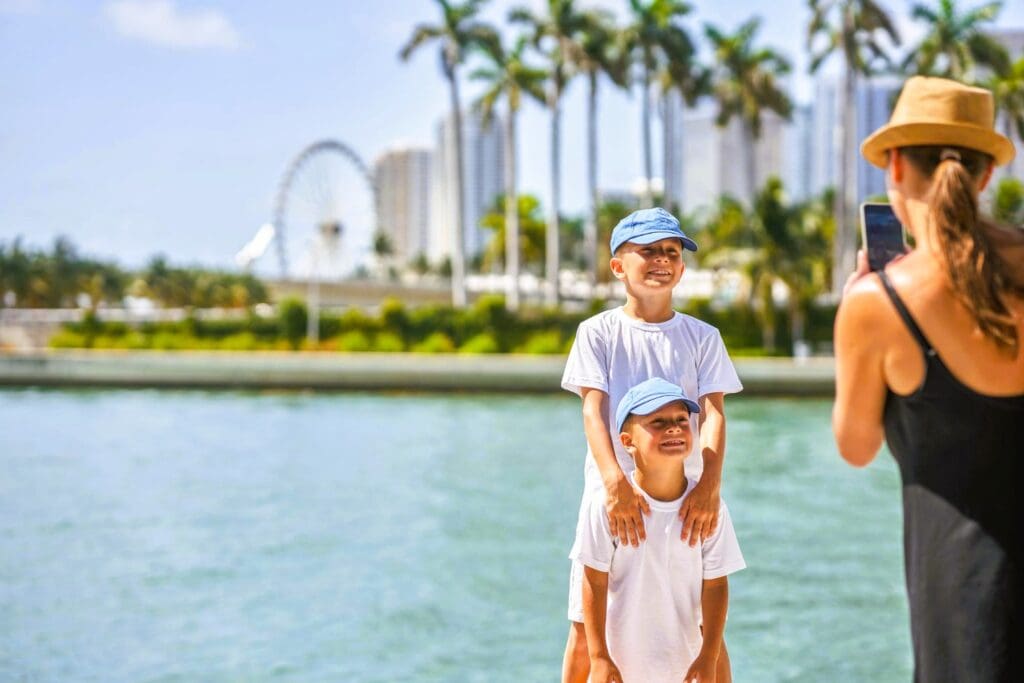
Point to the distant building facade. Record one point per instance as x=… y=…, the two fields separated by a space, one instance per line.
x=713 y=157
x=484 y=177
x=874 y=99
x=404 y=178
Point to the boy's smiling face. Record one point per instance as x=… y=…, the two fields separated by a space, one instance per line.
x=653 y=267
x=664 y=433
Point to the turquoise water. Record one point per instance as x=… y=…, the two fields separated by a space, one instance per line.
x=188 y=536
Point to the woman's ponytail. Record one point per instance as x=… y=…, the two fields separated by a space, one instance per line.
x=974 y=267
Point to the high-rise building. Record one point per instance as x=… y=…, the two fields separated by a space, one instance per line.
x=403 y=177
x=874 y=99
x=714 y=157
x=484 y=178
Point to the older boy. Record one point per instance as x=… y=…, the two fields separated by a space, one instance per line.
x=617 y=349
x=656 y=612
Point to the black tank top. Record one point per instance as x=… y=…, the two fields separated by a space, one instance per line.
x=960 y=456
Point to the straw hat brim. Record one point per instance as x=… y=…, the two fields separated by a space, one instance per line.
x=936 y=133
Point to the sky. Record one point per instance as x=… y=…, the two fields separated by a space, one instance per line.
x=138 y=127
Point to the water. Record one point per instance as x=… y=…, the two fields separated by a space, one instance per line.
x=188 y=536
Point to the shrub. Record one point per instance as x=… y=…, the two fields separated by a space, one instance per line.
x=353 y=340
x=243 y=341
x=169 y=341
x=548 y=341
x=292 y=318
x=387 y=342
x=67 y=339
x=438 y=342
x=481 y=343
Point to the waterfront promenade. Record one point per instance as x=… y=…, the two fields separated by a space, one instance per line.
x=355 y=371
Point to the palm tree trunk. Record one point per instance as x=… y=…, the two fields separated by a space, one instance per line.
x=645 y=113
x=511 y=216
x=767 y=315
x=458 y=233
x=590 y=226
x=551 y=239
x=668 y=150
x=845 y=238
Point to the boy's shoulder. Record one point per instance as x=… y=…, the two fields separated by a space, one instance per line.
x=697 y=325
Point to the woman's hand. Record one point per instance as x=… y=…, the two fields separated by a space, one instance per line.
x=626 y=508
x=861 y=271
x=699 y=511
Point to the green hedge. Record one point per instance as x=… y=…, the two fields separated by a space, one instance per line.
x=485 y=327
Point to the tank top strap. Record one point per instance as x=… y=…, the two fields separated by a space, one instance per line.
x=908 y=319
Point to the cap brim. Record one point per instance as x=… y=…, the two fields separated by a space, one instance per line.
x=662 y=235
x=986 y=140
x=654 y=403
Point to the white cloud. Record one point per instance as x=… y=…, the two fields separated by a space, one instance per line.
x=161 y=22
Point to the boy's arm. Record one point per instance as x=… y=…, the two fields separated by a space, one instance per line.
x=699 y=511
x=714 y=603
x=595 y=609
x=624 y=505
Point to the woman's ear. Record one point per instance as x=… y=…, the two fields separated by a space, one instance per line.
x=896 y=162
x=627 y=441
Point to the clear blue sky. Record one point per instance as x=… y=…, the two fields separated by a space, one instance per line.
x=145 y=126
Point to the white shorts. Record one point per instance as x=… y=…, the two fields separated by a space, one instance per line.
x=576 y=592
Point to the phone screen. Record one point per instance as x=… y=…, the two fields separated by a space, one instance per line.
x=883 y=235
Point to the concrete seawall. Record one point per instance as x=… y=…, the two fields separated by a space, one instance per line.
x=339 y=371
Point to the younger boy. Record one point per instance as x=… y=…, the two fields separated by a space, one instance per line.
x=619 y=348
x=656 y=612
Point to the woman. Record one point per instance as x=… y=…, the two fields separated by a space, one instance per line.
x=928 y=354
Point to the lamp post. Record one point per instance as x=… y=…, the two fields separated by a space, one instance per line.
x=324 y=242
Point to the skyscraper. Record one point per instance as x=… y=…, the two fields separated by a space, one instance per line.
x=714 y=157
x=484 y=177
x=874 y=99
x=404 y=186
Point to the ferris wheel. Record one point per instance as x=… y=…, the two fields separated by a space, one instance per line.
x=326 y=205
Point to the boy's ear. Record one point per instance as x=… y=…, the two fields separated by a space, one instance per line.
x=616 y=267
x=627 y=441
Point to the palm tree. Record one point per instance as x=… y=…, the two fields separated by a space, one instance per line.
x=555 y=34
x=532 y=231
x=956 y=43
x=773 y=242
x=851 y=28
x=745 y=85
x=456 y=34
x=509 y=77
x=1008 y=90
x=654 y=39
x=598 y=55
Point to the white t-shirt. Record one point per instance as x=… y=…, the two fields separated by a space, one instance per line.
x=614 y=352
x=653 y=618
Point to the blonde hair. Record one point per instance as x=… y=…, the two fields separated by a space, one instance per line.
x=977 y=272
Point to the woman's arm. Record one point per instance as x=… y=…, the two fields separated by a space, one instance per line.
x=860 y=339
x=625 y=508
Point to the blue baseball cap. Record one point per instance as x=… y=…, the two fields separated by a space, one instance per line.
x=648 y=396
x=649 y=225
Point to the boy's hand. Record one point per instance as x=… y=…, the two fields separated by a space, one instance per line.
x=702 y=670
x=603 y=670
x=699 y=511
x=626 y=508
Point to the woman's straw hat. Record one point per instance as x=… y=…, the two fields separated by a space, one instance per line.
x=937 y=111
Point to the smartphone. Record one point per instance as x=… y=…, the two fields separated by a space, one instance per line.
x=882 y=234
